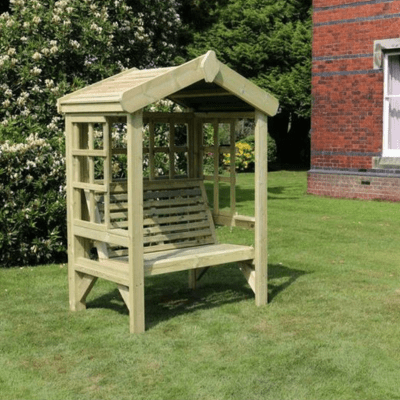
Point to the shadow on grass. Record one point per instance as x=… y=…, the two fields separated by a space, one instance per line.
x=167 y=296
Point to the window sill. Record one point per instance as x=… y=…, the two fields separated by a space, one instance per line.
x=386 y=162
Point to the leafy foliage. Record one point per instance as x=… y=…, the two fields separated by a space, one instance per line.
x=267 y=41
x=32 y=203
x=49 y=48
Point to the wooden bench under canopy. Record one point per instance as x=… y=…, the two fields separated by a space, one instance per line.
x=148 y=222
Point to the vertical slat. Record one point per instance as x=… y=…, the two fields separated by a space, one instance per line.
x=135 y=228
x=171 y=148
x=261 y=196
x=83 y=165
x=91 y=203
x=232 y=168
x=191 y=148
x=216 y=166
x=152 y=172
x=198 y=150
x=107 y=171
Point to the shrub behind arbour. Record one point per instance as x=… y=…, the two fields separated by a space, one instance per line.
x=32 y=204
x=49 y=48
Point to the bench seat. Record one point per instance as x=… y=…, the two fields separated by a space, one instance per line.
x=168 y=261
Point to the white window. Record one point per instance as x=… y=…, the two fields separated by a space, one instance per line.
x=391 y=116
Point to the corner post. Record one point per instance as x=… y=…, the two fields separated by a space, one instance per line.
x=135 y=222
x=261 y=196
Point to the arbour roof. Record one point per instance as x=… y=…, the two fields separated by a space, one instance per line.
x=203 y=84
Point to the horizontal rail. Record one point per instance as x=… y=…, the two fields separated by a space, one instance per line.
x=89 y=153
x=90 y=186
x=118 y=236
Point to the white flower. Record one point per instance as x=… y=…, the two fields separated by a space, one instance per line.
x=25 y=112
x=67 y=22
x=13 y=61
x=53 y=42
x=37 y=56
x=11 y=51
x=36 y=20
x=37 y=89
x=53 y=50
x=74 y=43
x=6 y=103
x=27 y=25
x=49 y=83
x=69 y=10
x=51 y=126
x=45 y=51
x=8 y=93
x=56 y=18
x=9 y=23
x=21 y=101
x=24 y=39
x=36 y=71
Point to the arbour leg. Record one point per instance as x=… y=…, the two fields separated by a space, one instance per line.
x=82 y=285
x=261 y=196
x=135 y=228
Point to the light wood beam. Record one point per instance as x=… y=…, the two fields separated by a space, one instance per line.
x=135 y=225
x=261 y=196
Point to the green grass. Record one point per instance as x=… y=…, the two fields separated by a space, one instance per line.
x=330 y=331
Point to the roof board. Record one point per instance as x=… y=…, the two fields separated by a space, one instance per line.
x=203 y=84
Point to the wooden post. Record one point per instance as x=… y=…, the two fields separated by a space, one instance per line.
x=135 y=222
x=79 y=285
x=107 y=145
x=261 y=196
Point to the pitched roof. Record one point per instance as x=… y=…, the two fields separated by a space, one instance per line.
x=203 y=84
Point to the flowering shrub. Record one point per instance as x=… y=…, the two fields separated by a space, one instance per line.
x=244 y=157
x=49 y=48
x=32 y=203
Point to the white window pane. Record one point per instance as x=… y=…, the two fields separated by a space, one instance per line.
x=394 y=75
x=394 y=124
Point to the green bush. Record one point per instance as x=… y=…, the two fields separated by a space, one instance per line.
x=32 y=203
x=271 y=146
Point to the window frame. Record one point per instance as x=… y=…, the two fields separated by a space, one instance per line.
x=386 y=152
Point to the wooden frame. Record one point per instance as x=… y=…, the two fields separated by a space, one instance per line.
x=105 y=213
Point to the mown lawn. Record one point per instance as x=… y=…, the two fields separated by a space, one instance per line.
x=330 y=331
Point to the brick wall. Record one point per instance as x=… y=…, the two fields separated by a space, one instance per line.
x=347 y=92
x=354 y=186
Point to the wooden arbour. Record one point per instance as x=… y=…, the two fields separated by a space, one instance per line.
x=147 y=225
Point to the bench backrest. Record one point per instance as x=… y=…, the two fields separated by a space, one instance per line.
x=175 y=215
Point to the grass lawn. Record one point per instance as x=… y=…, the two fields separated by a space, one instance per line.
x=330 y=331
